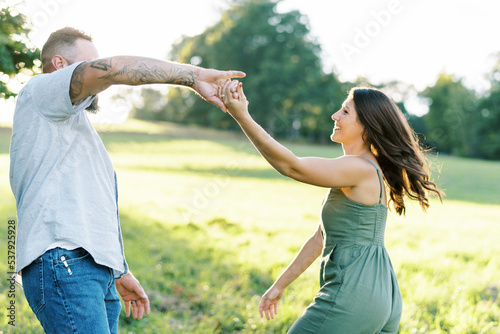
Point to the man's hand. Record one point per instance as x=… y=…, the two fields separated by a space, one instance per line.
x=208 y=83
x=133 y=294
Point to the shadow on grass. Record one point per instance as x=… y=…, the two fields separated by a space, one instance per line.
x=463 y=179
x=193 y=285
x=469 y=180
x=220 y=172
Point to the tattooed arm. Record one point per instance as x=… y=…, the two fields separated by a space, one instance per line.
x=92 y=77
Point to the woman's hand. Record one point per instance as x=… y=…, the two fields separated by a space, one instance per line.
x=268 y=305
x=234 y=99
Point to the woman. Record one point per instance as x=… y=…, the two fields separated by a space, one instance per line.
x=359 y=291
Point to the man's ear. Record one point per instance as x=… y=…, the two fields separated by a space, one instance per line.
x=59 y=62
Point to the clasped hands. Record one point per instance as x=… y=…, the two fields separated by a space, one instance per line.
x=217 y=88
x=235 y=101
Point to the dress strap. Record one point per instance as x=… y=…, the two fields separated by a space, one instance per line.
x=380 y=180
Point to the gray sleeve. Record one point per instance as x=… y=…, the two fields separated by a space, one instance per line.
x=50 y=94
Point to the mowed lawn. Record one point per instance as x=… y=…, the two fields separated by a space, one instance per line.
x=208 y=226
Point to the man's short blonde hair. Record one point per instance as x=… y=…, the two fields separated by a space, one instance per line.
x=60 y=42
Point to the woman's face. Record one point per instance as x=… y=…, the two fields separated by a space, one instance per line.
x=347 y=126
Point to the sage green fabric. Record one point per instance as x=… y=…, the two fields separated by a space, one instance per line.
x=359 y=291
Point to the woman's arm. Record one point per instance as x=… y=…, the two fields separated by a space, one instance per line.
x=346 y=171
x=309 y=252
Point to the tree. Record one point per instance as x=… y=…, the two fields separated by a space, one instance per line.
x=452 y=120
x=325 y=100
x=152 y=106
x=275 y=50
x=489 y=114
x=401 y=93
x=17 y=57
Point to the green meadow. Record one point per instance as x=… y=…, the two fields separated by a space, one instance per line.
x=208 y=226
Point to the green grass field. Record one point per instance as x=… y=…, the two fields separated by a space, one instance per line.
x=208 y=226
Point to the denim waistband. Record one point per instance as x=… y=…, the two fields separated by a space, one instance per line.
x=55 y=254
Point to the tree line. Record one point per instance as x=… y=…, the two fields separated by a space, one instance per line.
x=293 y=98
x=289 y=92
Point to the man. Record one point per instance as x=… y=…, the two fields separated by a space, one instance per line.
x=69 y=244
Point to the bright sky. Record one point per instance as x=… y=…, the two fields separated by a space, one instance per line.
x=407 y=40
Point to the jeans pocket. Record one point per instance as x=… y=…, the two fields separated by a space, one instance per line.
x=32 y=277
x=75 y=255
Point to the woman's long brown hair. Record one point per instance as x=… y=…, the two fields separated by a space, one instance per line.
x=396 y=147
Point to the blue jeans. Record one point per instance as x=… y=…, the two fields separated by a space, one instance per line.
x=77 y=297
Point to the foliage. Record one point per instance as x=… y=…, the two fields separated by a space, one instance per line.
x=489 y=113
x=17 y=56
x=208 y=226
x=152 y=106
x=291 y=96
x=285 y=85
x=461 y=123
x=451 y=117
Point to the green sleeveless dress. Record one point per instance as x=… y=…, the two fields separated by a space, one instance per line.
x=359 y=291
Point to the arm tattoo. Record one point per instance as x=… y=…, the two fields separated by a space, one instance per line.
x=184 y=77
x=76 y=85
x=101 y=64
x=139 y=72
x=129 y=71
